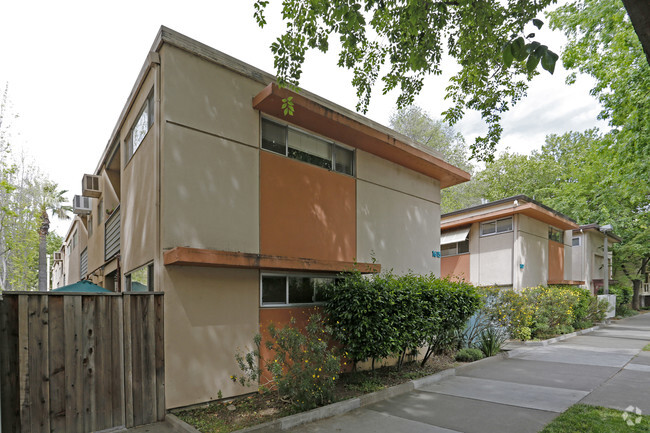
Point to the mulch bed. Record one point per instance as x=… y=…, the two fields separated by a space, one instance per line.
x=245 y=411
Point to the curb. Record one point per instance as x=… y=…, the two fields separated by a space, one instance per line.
x=562 y=337
x=179 y=425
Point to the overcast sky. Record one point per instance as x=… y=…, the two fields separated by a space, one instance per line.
x=70 y=66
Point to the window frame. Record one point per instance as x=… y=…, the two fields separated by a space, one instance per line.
x=576 y=238
x=286 y=275
x=555 y=231
x=148 y=105
x=457 y=249
x=332 y=144
x=150 y=279
x=496 y=226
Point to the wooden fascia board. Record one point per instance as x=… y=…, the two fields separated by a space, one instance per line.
x=337 y=126
x=184 y=256
x=529 y=209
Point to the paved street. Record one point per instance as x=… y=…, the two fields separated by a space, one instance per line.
x=519 y=394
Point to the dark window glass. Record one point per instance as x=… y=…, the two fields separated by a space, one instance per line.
x=274 y=290
x=448 y=250
x=301 y=290
x=274 y=137
x=463 y=247
x=504 y=225
x=344 y=160
x=304 y=147
x=575 y=242
x=488 y=228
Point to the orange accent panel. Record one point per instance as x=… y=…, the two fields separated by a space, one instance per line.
x=184 y=256
x=555 y=261
x=455 y=267
x=306 y=211
x=528 y=209
x=280 y=317
x=323 y=120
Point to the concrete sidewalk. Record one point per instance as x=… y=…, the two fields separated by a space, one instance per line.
x=521 y=393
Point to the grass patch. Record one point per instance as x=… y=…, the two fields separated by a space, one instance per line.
x=254 y=409
x=582 y=418
x=647 y=348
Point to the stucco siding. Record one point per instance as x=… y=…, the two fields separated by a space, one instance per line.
x=400 y=231
x=495 y=259
x=455 y=267
x=210 y=192
x=209 y=314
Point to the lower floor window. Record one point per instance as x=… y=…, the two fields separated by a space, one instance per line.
x=293 y=289
x=140 y=280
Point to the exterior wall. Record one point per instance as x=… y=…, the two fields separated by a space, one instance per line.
x=306 y=211
x=139 y=184
x=555 y=261
x=532 y=252
x=209 y=314
x=481 y=211
x=210 y=156
x=568 y=255
x=386 y=194
x=72 y=257
x=578 y=259
x=474 y=264
x=495 y=259
x=456 y=267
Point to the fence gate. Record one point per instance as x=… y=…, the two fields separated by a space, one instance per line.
x=80 y=363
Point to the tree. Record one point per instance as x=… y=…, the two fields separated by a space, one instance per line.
x=418 y=125
x=401 y=42
x=51 y=200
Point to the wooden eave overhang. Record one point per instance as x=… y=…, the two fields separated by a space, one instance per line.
x=566 y=282
x=184 y=256
x=529 y=209
x=322 y=120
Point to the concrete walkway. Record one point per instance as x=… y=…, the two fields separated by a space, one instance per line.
x=521 y=393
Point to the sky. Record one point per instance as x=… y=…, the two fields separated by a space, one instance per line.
x=70 y=66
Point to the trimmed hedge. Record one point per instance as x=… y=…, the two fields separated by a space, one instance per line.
x=381 y=315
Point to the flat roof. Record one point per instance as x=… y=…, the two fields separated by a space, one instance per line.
x=312 y=111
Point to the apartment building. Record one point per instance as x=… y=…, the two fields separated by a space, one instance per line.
x=207 y=191
x=588 y=246
x=515 y=242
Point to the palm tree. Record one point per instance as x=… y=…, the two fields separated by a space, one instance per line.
x=51 y=200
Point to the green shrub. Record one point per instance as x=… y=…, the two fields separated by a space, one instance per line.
x=491 y=340
x=469 y=354
x=304 y=366
x=374 y=317
x=511 y=310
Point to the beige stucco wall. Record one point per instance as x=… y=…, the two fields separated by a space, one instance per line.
x=532 y=251
x=474 y=268
x=577 y=259
x=72 y=262
x=209 y=314
x=96 y=239
x=495 y=259
x=398 y=219
x=210 y=156
x=568 y=255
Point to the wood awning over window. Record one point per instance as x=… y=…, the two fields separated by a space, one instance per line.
x=183 y=256
x=359 y=133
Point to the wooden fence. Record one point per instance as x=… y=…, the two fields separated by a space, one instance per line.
x=80 y=363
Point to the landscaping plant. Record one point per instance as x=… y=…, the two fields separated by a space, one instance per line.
x=469 y=354
x=491 y=340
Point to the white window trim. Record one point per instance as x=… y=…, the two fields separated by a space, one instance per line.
x=147 y=104
x=481 y=234
x=314 y=135
x=286 y=296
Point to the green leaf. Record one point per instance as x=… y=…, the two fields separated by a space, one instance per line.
x=519 y=49
x=507 y=55
x=549 y=60
x=538 y=23
x=531 y=64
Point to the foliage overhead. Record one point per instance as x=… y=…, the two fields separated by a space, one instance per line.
x=400 y=42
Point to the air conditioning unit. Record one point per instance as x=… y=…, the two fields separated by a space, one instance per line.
x=90 y=186
x=58 y=257
x=81 y=205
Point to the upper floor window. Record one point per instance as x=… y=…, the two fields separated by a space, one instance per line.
x=305 y=147
x=575 y=242
x=292 y=289
x=140 y=128
x=497 y=226
x=555 y=234
x=455 y=248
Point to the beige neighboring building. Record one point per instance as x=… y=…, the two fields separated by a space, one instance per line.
x=515 y=242
x=588 y=255
x=208 y=192
x=69 y=264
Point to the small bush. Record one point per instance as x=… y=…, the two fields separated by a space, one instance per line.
x=624 y=296
x=490 y=341
x=469 y=354
x=304 y=367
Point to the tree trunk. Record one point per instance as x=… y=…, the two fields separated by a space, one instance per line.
x=42 y=252
x=636 y=294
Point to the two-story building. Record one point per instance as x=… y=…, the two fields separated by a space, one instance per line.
x=514 y=242
x=588 y=246
x=207 y=191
